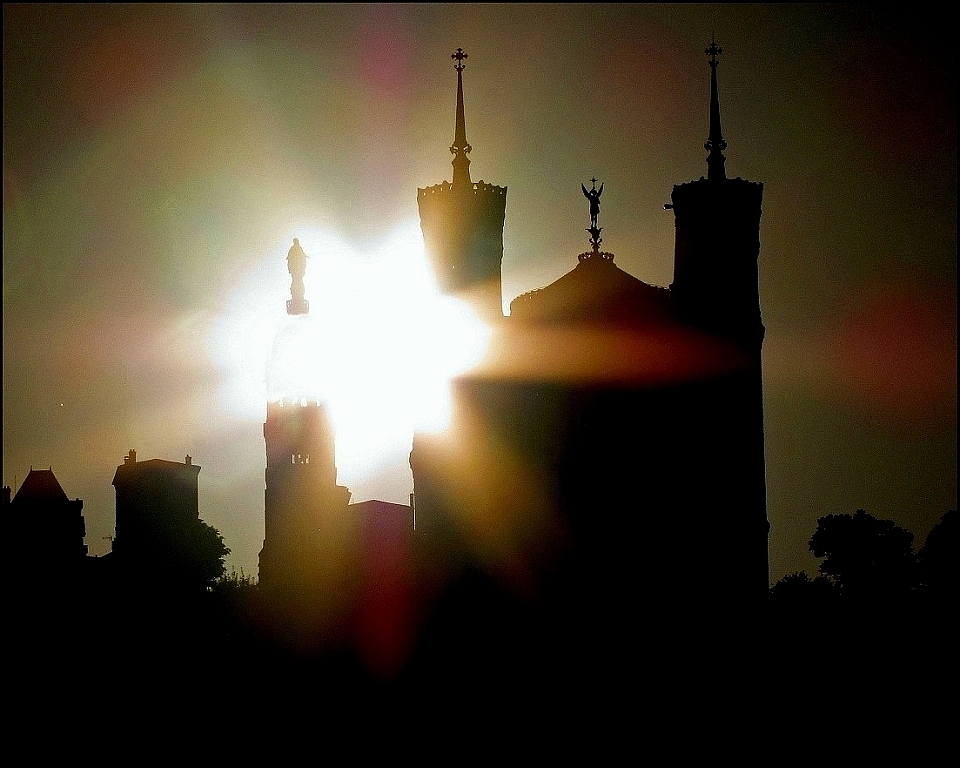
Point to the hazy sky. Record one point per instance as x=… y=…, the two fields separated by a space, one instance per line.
x=159 y=159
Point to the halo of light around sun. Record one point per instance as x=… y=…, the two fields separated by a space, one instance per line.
x=379 y=346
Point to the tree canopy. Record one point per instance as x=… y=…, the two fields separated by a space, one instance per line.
x=938 y=557
x=202 y=561
x=864 y=556
x=183 y=555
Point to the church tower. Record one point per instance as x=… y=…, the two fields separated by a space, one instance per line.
x=716 y=292
x=621 y=476
x=462 y=223
x=717 y=220
x=304 y=507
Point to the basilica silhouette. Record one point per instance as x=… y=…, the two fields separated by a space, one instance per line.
x=606 y=458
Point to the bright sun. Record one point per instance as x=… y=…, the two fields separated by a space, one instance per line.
x=379 y=345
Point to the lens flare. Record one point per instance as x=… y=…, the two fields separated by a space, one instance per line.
x=379 y=346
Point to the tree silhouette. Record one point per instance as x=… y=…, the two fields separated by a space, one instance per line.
x=182 y=556
x=799 y=586
x=938 y=557
x=864 y=556
x=200 y=555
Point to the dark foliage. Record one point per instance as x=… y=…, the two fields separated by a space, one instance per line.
x=186 y=556
x=799 y=586
x=866 y=557
x=939 y=556
x=200 y=554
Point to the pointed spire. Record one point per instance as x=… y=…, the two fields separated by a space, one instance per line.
x=460 y=147
x=715 y=144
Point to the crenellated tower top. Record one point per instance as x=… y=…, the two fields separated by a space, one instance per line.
x=717 y=219
x=462 y=223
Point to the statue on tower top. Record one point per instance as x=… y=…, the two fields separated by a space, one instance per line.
x=297 y=266
x=594 y=197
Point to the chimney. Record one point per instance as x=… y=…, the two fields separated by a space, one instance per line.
x=188 y=460
x=130 y=458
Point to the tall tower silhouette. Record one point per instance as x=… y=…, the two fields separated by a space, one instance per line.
x=717 y=223
x=462 y=223
x=716 y=291
x=303 y=505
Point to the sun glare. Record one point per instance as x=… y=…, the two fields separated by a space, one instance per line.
x=379 y=346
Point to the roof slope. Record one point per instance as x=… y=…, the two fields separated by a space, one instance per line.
x=41 y=485
x=595 y=291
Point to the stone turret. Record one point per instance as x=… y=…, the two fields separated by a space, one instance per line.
x=462 y=225
x=717 y=221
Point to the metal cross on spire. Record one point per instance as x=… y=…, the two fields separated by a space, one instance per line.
x=459 y=56
x=713 y=50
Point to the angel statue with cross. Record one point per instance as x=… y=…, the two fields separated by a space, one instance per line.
x=593 y=196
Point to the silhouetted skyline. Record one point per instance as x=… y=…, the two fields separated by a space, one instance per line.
x=158 y=161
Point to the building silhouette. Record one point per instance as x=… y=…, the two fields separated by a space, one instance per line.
x=333 y=574
x=46 y=529
x=304 y=508
x=157 y=506
x=387 y=595
x=306 y=528
x=608 y=456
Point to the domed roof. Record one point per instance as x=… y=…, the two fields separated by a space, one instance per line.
x=595 y=291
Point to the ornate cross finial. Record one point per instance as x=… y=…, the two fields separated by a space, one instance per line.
x=459 y=56
x=713 y=50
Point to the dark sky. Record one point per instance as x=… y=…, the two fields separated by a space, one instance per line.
x=159 y=159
